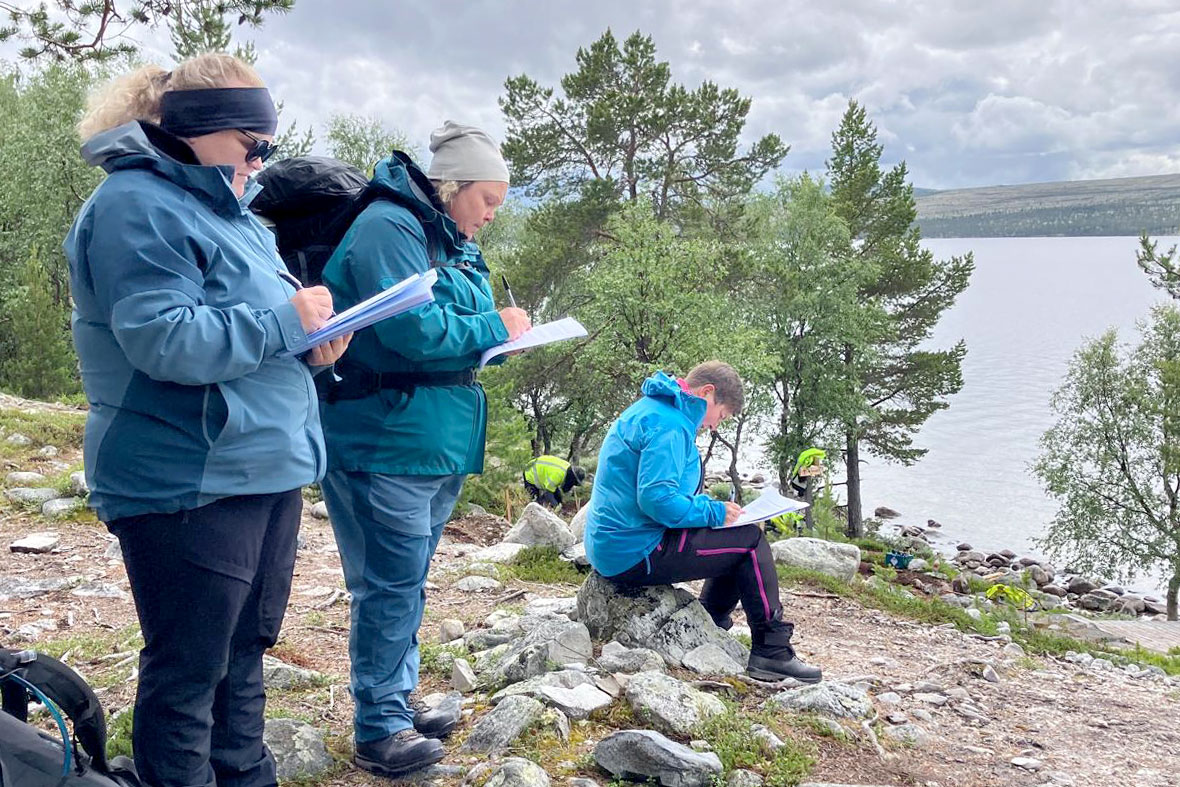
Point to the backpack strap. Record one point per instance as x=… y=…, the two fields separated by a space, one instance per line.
x=66 y=689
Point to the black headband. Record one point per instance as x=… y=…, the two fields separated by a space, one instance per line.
x=192 y=113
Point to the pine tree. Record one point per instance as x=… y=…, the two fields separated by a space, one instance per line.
x=903 y=381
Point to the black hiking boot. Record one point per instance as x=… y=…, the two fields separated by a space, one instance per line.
x=772 y=658
x=437 y=721
x=401 y=753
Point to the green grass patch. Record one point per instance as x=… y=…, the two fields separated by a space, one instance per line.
x=438 y=659
x=891 y=598
x=119 y=734
x=729 y=735
x=61 y=429
x=88 y=647
x=543 y=564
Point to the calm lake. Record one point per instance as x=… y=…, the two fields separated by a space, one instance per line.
x=1032 y=302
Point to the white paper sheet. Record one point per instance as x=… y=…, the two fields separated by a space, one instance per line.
x=546 y=333
x=768 y=505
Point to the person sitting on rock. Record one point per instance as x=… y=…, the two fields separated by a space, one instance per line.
x=649 y=524
x=547 y=478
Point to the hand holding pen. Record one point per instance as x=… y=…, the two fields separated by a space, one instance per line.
x=515 y=319
x=314 y=307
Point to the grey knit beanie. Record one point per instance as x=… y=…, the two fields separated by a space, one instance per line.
x=465 y=153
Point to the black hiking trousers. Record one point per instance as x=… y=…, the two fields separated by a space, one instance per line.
x=735 y=561
x=210 y=588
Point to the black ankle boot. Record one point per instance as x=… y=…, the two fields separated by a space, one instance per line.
x=399 y=754
x=437 y=721
x=772 y=658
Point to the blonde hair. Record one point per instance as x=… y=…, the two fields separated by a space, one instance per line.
x=447 y=189
x=137 y=95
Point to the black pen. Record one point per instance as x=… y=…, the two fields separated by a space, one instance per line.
x=508 y=290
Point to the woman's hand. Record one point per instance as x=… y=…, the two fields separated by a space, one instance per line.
x=733 y=512
x=329 y=352
x=516 y=321
x=314 y=307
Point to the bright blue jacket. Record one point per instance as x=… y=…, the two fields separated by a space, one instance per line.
x=433 y=430
x=181 y=322
x=648 y=473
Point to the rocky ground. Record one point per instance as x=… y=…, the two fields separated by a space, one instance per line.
x=559 y=667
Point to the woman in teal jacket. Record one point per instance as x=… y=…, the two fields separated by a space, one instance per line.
x=405 y=425
x=202 y=427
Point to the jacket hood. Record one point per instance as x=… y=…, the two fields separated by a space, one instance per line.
x=142 y=145
x=413 y=190
x=665 y=387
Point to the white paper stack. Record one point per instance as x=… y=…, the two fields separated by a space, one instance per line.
x=768 y=505
x=401 y=297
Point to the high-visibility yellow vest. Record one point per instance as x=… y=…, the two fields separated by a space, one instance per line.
x=546 y=472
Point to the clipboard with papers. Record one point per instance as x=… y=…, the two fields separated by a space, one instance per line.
x=401 y=297
x=768 y=505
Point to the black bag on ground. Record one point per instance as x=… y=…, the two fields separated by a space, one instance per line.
x=32 y=758
x=310 y=201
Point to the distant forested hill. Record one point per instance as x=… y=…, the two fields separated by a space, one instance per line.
x=1119 y=206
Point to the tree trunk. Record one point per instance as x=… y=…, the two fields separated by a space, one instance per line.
x=856 y=525
x=1173 y=588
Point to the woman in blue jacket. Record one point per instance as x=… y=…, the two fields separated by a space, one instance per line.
x=649 y=524
x=406 y=424
x=202 y=427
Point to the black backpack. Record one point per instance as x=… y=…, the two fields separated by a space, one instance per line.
x=311 y=201
x=30 y=757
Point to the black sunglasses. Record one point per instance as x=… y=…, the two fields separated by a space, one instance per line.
x=261 y=149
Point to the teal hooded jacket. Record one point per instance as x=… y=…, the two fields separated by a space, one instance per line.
x=181 y=324
x=647 y=477
x=431 y=430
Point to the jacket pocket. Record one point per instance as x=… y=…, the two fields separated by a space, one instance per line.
x=214 y=414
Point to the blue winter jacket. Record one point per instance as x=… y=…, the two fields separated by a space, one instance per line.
x=430 y=430
x=648 y=473
x=181 y=322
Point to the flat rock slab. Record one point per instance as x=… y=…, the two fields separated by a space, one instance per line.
x=278 y=674
x=837 y=700
x=670 y=705
x=576 y=703
x=36 y=543
x=20 y=587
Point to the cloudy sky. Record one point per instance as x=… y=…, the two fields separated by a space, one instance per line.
x=968 y=92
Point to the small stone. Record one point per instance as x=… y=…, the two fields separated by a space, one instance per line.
x=17 y=438
x=36 y=543
x=629 y=660
x=885 y=512
x=62 y=507
x=99 y=590
x=830 y=699
x=922 y=714
x=937 y=700
x=278 y=674
x=475 y=584
x=498 y=553
x=568 y=679
x=989 y=674
x=973 y=613
x=30 y=495
x=114 y=551
x=78 y=485
x=538 y=526
x=462 y=676
x=320 y=510
x=18 y=478
x=669 y=704
x=450 y=630
x=897 y=718
x=511 y=772
x=743 y=778
x=1028 y=763
x=908 y=734
x=552 y=606
x=770 y=742
x=47 y=451
x=958 y=693
x=700 y=746
x=889 y=698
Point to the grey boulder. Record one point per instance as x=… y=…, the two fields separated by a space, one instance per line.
x=837 y=700
x=538 y=526
x=496 y=731
x=639 y=755
x=511 y=772
x=815 y=554
x=670 y=705
x=555 y=641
